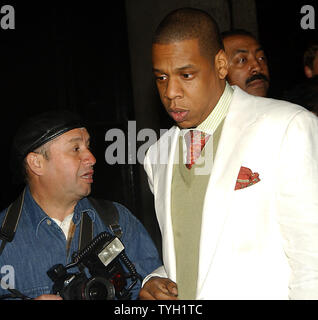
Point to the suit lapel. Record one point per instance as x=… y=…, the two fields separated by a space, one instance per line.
x=234 y=139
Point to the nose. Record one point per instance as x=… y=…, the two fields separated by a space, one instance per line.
x=255 y=66
x=89 y=158
x=173 y=89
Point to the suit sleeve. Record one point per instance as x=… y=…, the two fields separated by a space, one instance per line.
x=159 y=272
x=297 y=203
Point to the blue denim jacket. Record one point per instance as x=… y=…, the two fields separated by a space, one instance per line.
x=39 y=243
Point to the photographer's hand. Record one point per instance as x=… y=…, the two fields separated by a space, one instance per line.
x=48 y=297
x=157 y=288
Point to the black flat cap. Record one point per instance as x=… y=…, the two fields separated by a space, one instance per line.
x=40 y=129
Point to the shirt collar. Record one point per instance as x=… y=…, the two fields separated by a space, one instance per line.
x=210 y=124
x=38 y=216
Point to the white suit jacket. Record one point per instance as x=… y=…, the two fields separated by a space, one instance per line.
x=260 y=242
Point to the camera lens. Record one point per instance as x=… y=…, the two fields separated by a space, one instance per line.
x=98 y=288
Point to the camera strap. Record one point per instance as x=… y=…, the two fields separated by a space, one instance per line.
x=11 y=219
x=108 y=213
x=86 y=231
x=105 y=209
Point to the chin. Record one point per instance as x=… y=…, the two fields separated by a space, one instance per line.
x=258 y=92
x=182 y=126
x=86 y=192
x=185 y=125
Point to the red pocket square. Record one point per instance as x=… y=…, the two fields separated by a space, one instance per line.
x=246 y=178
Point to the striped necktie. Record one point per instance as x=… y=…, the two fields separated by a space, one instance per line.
x=195 y=141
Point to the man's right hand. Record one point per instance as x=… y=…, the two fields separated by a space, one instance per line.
x=157 y=288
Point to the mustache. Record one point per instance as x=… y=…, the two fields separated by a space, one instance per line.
x=259 y=76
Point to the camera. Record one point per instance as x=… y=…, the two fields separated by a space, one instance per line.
x=103 y=272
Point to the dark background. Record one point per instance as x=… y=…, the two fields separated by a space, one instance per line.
x=69 y=56
x=284 y=41
x=79 y=57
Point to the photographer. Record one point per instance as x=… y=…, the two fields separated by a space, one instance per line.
x=53 y=152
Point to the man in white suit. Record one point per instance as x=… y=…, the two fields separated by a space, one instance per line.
x=241 y=222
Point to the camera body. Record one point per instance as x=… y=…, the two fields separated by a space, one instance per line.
x=101 y=275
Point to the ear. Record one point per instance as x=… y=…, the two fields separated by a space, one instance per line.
x=221 y=64
x=308 y=72
x=35 y=163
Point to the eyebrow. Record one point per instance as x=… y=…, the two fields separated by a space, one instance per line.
x=246 y=51
x=77 y=139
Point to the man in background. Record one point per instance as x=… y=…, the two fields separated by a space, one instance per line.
x=311 y=61
x=247 y=67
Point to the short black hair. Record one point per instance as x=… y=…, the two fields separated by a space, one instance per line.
x=237 y=32
x=190 y=23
